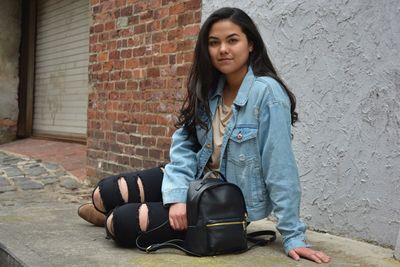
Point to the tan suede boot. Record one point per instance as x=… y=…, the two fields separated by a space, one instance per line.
x=89 y=213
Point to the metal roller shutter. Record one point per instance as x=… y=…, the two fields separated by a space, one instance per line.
x=61 y=68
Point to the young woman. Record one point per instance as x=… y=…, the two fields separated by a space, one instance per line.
x=236 y=119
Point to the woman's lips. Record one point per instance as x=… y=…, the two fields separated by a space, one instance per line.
x=224 y=60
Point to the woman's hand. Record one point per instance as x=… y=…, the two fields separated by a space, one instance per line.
x=310 y=254
x=177 y=216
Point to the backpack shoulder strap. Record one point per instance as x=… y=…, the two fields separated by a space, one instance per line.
x=253 y=237
x=173 y=243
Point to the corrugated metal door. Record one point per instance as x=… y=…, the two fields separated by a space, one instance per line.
x=61 y=68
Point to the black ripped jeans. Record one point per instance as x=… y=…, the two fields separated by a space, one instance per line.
x=125 y=221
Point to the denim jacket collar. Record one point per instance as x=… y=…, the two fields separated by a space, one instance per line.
x=244 y=90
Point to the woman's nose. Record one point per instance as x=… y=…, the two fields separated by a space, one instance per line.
x=223 y=48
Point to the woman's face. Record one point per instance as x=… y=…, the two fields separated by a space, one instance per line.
x=228 y=47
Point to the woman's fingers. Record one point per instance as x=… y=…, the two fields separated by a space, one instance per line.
x=322 y=256
x=177 y=216
x=294 y=255
x=308 y=253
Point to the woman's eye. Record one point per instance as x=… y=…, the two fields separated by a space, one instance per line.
x=212 y=43
x=232 y=41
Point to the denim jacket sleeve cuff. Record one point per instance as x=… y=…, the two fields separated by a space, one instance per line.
x=292 y=243
x=175 y=196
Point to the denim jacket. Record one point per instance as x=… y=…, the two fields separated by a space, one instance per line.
x=256 y=154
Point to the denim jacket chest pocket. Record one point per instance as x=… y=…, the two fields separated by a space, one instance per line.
x=244 y=163
x=242 y=145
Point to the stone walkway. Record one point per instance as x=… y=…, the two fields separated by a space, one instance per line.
x=72 y=156
x=24 y=173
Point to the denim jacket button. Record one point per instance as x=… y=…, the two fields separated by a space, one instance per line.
x=239 y=136
x=209 y=145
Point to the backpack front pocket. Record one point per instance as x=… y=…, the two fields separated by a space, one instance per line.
x=226 y=235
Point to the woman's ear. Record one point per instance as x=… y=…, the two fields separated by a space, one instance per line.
x=251 y=47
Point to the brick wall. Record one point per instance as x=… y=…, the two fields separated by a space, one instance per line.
x=140 y=55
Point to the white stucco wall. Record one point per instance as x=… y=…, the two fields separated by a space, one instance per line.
x=341 y=59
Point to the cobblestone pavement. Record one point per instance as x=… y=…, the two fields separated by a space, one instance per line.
x=21 y=173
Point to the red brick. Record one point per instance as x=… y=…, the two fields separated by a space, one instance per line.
x=169 y=22
x=137 y=52
x=110 y=25
x=132 y=85
x=108 y=66
x=146 y=16
x=103 y=56
x=145 y=61
x=145 y=84
x=197 y=16
x=168 y=47
x=153 y=26
x=186 y=45
x=155 y=153
x=158 y=83
x=133 y=20
x=141 y=28
x=126 y=75
x=120 y=85
x=158 y=37
x=153 y=72
x=185 y=19
x=144 y=152
x=193 y=5
x=183 y=70
x=120 y=3
x=160 y=60
x=177 y=8
x=126 y=11
x=132 y=63
x=115 y=76
x=172 y=59
x=118 y=64
x=139 y=7
x=104 y=36
x=137 y=40
x=126 y=53
x=98 y=28
x=192 y=30
x=149 y=141
x=123 y=138
x=153 y=4
x=138 y=73
x=93 y=58
x=144 y=130
x=163 y=142
x=175 y=34
x=93 y=39
x=161 y=13
x=135 y=140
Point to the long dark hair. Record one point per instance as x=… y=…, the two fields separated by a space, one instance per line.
x=204 y=76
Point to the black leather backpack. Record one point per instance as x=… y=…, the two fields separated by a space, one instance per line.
x=217 y=217
x=217 y=220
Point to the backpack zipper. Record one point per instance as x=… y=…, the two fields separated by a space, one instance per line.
x=227 y=223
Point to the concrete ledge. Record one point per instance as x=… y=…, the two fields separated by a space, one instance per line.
x=7 y=258
x=41 y=228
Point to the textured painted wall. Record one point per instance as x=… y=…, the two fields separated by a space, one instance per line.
x=9 y=55
x=341 y=58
